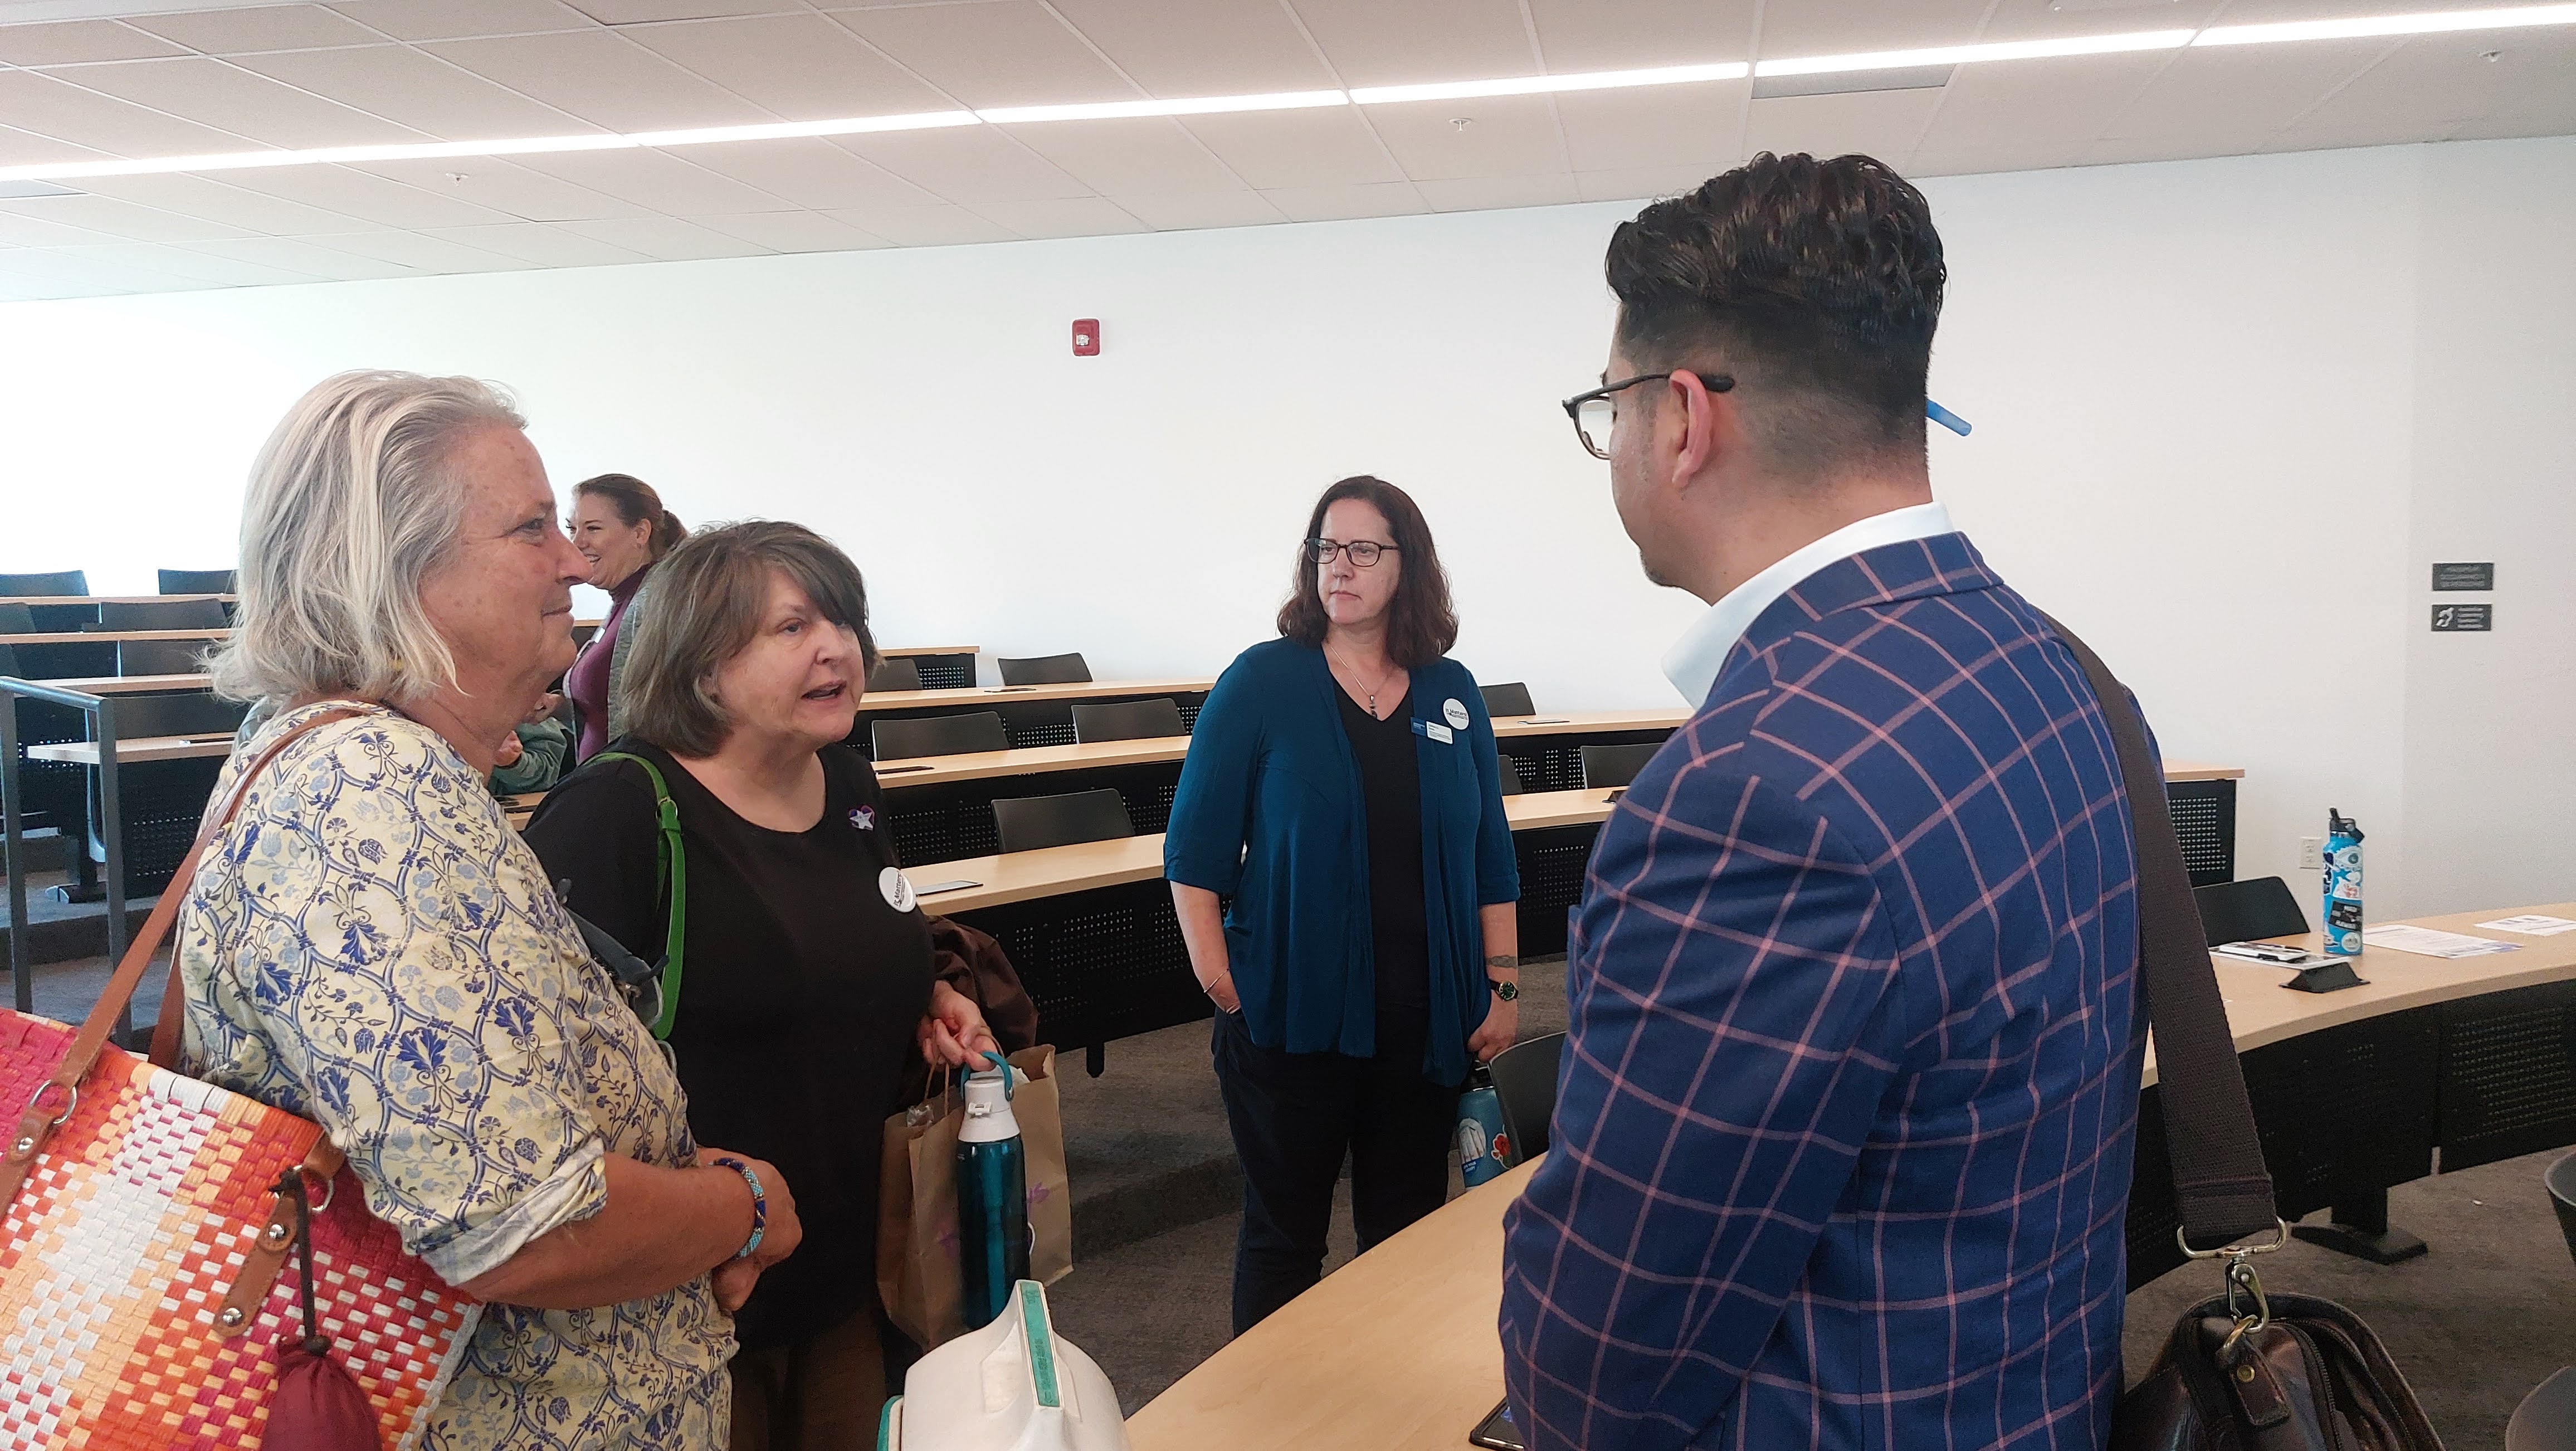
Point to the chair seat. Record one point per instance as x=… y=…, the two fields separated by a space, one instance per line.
x=2546 y=1419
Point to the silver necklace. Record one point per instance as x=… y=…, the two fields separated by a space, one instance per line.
x=1369 y=691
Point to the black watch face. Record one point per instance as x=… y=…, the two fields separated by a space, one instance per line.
x=1507 y=991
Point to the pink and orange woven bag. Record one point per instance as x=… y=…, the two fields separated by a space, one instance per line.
x=148 y=1283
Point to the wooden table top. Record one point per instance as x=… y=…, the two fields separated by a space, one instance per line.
x=112 y=599
x=1397 y=1351
x=110 y=637
x=137 y=748
x=2201 y=771
x=128 y=684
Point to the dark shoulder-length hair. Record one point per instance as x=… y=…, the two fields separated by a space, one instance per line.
x=1421 y=623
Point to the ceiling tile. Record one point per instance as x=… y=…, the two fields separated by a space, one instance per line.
x=1656 y=126
x=2011 y=104
x=1332 y=147
x=1086 y=216
x=1839 y=27
x=265 y=27
x=965 y=164
x=1640 y=183
x=365 y=196
x=39 y=103
x=1874 y=123
x=221 y=201
x=297 y=255
x=667 y=238
x=940 y=226
x=205 y=268
x=1495 y=193
x=2036 y=152
x=660 y=181
x=1504 y=136
x=122 y=220
x=74 y=41
x=992 y=53
x=214 y=93
x=94 y=276
x=639 y=12
x=1338 y=203
x=1371 y=43
x=2257 y=12
x=508 y=188
x=418 y=90
x=794 y=232
x=2213 y=139
x=602 y=77
x=418 y=252
x=2041 y=20
x=2435 y=80
x=541 y=244
x=463 y=19
x=809 y=173
x=1585 y=35
x=28 y=226
x=2234 y=91
x=26 y=148
x=1240 y=207
x=1225 y=48
x=1149 y=154
x=803 y=67
x=18 y=287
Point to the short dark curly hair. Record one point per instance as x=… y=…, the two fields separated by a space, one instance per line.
x=1815 y=284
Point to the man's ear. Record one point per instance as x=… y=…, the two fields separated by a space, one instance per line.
x=1711 y=428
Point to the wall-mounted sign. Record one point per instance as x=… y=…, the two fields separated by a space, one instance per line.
x=2447 y=618
x=2463 y=576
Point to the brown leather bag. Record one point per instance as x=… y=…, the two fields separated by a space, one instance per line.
x=2241 y=1371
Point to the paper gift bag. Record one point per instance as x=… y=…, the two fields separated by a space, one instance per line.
x=917 y=1245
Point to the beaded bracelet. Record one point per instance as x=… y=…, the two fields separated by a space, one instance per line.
x=759 y=1204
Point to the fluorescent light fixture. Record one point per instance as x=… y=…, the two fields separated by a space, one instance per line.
x=1203 y=106
x=1880 y=60
x=1544 y=85
x=2369 y=25
x=513 y=146
x=1847 y=83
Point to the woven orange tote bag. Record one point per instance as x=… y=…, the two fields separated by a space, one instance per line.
x=147 y=1254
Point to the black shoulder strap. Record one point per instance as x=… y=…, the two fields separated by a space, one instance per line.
x=2219 y=1177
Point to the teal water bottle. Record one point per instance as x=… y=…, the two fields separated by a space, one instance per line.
x=1484 y=1150
x=2342 y=915
x=992 y=1197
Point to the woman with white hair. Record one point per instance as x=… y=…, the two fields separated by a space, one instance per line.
x=369 y=944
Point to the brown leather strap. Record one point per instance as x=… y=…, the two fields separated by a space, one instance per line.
x=2225 y=1192
x=54 y=1100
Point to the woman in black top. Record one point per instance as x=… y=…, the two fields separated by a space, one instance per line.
x=808 y=981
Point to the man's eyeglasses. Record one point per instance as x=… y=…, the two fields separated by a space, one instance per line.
x=1363 y=552
x=1593 y=412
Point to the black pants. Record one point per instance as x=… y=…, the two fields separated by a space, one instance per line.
x=1294 y=1116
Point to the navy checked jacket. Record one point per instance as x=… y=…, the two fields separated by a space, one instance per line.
x=1842 y=1135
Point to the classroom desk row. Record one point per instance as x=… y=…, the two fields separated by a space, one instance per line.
x=1398 y=1349
x=45 y=602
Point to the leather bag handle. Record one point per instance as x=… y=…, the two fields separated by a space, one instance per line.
x=2225 y=1192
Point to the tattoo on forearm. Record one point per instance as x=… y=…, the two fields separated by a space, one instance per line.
x=1502 y=962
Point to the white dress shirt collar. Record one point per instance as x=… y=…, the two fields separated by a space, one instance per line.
x=1694 y=660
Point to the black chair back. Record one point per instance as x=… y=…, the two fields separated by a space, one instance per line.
x=163 y=615
x=894 y=672
x=1028 y=823
x=1128 y=720
x=1509 y=702
x=1511 y=774
x=938 y=735
x=60 y=582
x=1045 y=670
x=2561 y=1180
x=1525 y=1082
x=196 y=581
x=193 y=713
x=1616 y=765
x=16 y=619
x=2237 y=911
x=160 y=657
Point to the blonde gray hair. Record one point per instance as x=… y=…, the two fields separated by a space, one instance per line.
x=350 y=504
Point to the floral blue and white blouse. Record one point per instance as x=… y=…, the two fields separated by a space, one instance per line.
x=369 y=944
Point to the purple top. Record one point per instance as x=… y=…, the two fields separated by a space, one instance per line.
x=587 y=681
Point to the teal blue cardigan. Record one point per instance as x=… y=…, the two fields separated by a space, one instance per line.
x=1269 y=811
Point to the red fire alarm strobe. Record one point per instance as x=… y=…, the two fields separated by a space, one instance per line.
x=1086 y=337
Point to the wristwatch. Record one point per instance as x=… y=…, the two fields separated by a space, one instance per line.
x=1509 y=992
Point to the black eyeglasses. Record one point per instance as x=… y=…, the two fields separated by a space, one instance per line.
x=1363 y=552
x=1594 y=412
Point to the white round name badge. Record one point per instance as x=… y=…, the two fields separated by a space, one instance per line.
x=1455 y=713
x=897 y=888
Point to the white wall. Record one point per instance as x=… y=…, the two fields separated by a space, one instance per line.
x=2225 y=412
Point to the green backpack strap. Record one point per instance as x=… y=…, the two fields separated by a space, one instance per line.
x=671 y=881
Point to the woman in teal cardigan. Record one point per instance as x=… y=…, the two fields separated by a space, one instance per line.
x=1341 y=787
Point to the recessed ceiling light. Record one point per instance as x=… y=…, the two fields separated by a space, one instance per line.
x=2371 y=25
x=1203 y=106
x=1546 y=85
x=1829 y=83
x=1878 y=60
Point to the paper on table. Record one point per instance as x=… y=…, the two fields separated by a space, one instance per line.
x=2531 y=924
x=2425 y=942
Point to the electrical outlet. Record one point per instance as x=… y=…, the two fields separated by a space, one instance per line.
x=2312 y=853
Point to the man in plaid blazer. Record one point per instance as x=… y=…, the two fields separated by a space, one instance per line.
x=1841 y=1146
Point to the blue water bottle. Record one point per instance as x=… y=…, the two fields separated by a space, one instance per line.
x=1484 y=1150
x=2343 y=885
x=992 y=1197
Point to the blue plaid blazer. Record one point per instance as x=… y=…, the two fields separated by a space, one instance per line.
x=1842 y=1135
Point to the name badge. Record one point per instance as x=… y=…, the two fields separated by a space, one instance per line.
x=1438 y=732
x=1455 y=714
x=896 y=889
